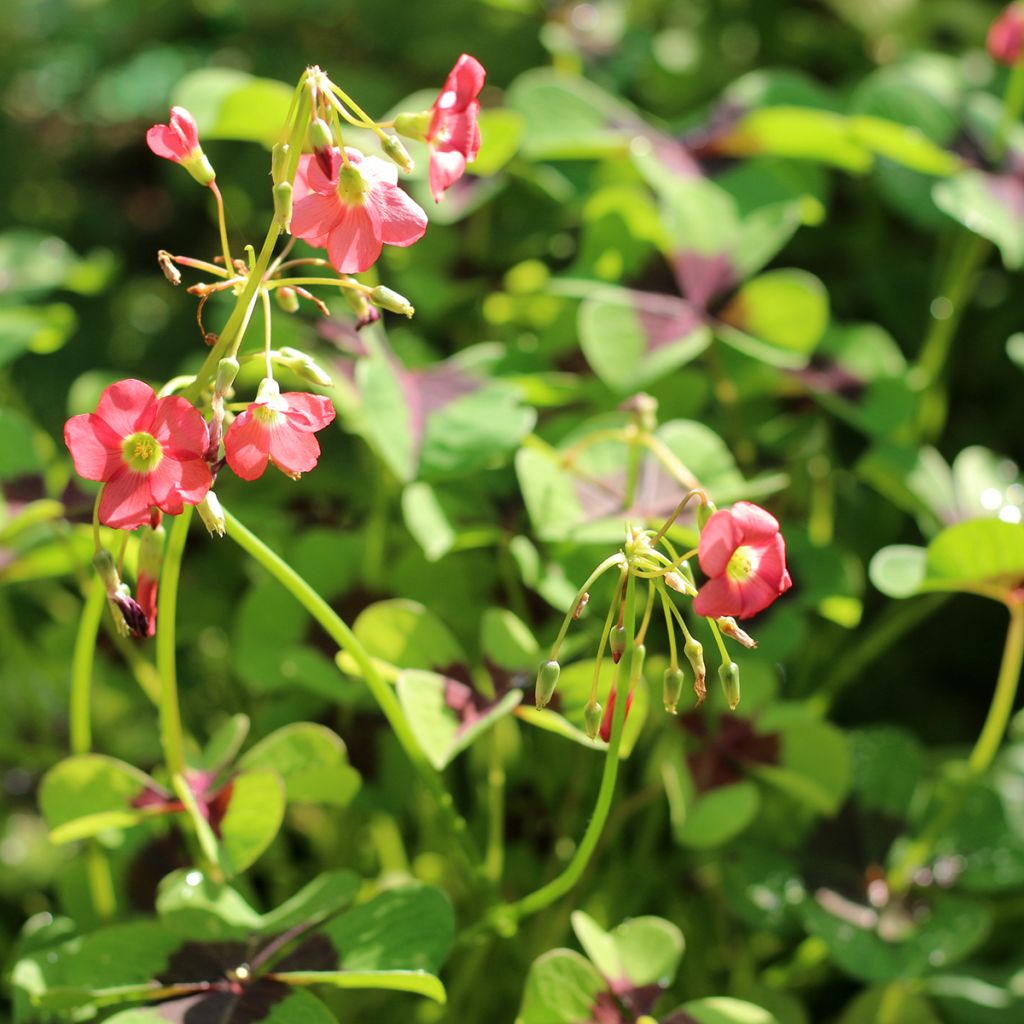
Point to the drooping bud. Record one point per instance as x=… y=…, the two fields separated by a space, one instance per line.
x=672 y=688
x=705 y=510
x=129 y=617
x=287 y=299
x=306 y=367
x=279 y=162
x=592 y=718
x=319 y=134
x=580 y=605
x=359 y=304
x=733 y=631
x=678 y=583
x=392 y=146
x=547 y=681
x=414 y=126
x=609 y=714
x=1005 y=41
x=283 y=204
x=729 y=674
x=388 y=299
x=227 y=371
x=170 y=271
x=694 y=651
x=151 y=559
x=212 y=515
x=617 y=642
x=637 y=667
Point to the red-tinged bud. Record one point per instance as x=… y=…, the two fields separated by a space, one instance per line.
x=547 y=681
x=227 y=371
x=212 y=515
x=170 y=271
x=580 y=605
x=694 y=652
x=729 y=674
x=705 y=510
x=672 y=688
x=279 y=162
x=414 y=126
x=129 y=616
x=729 y=628
x=319 y=134
x=592 y=718
x=388 y=299
x=609 y=714
x=283 y=204
x=617 y=642
x=287 y=299
x=393 y=147
x=1005 y=41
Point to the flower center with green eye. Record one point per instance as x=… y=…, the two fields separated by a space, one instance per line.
x=267 y=415
x=741 y=565
x=141 y=452
x=352 y=186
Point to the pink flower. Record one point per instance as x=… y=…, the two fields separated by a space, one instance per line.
x=743 y=552
x=352 y=209
x=454 y=135
x=277 y=428
x=1006 y=36
x=179 y=141
x=147 y=451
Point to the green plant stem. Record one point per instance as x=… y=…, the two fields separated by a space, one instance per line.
x=166 y=638
x=1013 y=105
x=82 y=660
x=494 y=860
x=561 y=884
x=101 y=881
x=981 y=757
x=382 y=692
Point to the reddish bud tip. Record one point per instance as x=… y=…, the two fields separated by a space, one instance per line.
x=1006 y=36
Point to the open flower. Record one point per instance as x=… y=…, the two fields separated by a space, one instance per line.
x=179 y=141
x=743 y=552
x=454 y=135
x=353 y=208
x=277 y=428
x=147 y=451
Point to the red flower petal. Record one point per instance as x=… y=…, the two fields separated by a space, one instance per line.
x=719 y=539
x=174 y=484
x=180 y=427
x=315 y=216
x=719 y=596
x=355 y=241
x=127 y=406
x=445 y=169
x=95 y=448
x=247 y=446
x=402 y=221
x=126 y=500
x=308 y=412
x=292 y=450
x=757 y=525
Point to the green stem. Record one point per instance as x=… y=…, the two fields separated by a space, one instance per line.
x=222 y=226
x=81 y=668
x=985 y=749
x=101 y=881
x=382 y=692
x=494 y=861
x=1013 y=104
x=166 y=638
x=611 y=560
x=560 y=885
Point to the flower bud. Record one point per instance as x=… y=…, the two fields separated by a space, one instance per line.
x=413 y=126
x=694 y=652
x=592 y=718
x=357 y=301
x=547 y=680
x=392 y=146
x=609 y=714
x=227 y=371
x=106 y=568
x=129 y=616
x=1005 y=41
x=388 y=299
x=617 y=642
x=678 y=583
x=283 y=204
x=732 y=630
x=729 y=674
x=637 y=666
x=672 y=688
x=319 y=134
x=306 y=367
x=279 y=162
x=212 y=515
x=287 y=299
x=199 y=166
x=705 y=510
x=170 y=271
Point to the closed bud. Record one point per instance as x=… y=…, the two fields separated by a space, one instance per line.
x=608 y=720
x=319 y=134
x=392 y=146
x=672 y=688
x=227 y=371
x=413 y=126
x=199 y=166
x=279 y=162
x=617 y=642
x=694 y=652
x=106 y=568
x=729 y=674
x=678 y=583
x=151 y=552
x=592 y=714
x=212 y=515
x=637 y=667
x=547 y=681
x=388 y=299
x=727 y=624
x=283 y=204
x=287 y=299
x=306 y=367
x=129 y=617
x=705 y=510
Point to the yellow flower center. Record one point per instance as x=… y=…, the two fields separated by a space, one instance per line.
x=741 y=565
x=141 y=452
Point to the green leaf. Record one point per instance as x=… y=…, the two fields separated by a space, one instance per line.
x=223 y=746
x=887 y=766
x=699 y=216
x=427 y=520
x=501 y=132
x=980 y=551
x=231 y=104
x=312 y=762
x=896 y=1002
x=384 y=418
x=32 y=264
x=903 y=145
x=561 y=988
x=706 y=820
x=322 y=898
x=721 y=1010
x=195 y=907
x=437 y=727
x=82 y=796
x=778 y=317
x=410 y=928
x=898 y=570
x=254 y=816
x=418 y=982
x=815 y=765
x=507 y=641
x=39 y=329
x=990 y=206
x=641 y=950
x=407 y=635
x=19 y=452
x=294 y=1007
